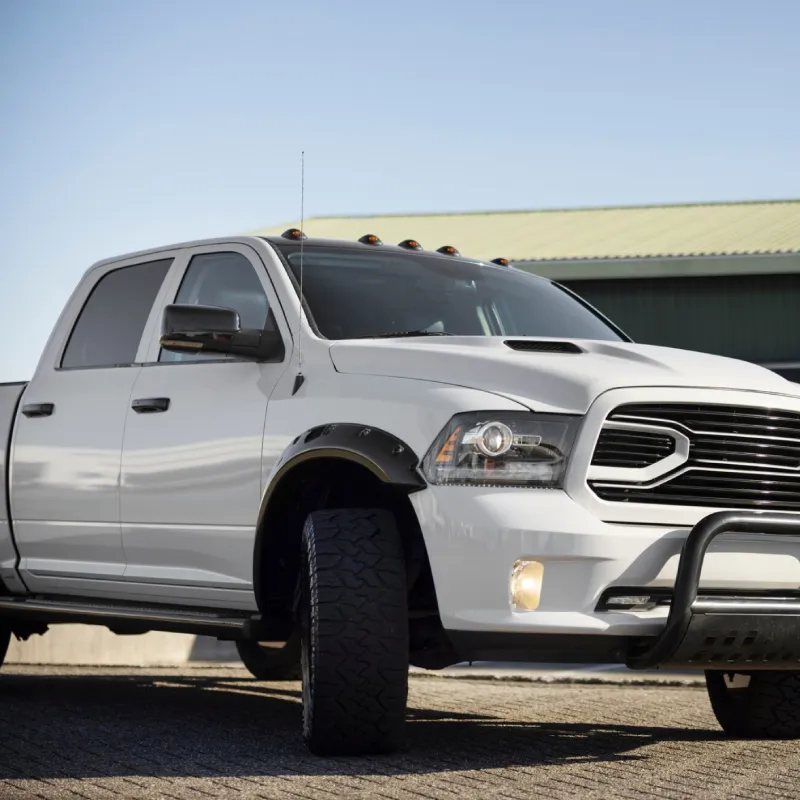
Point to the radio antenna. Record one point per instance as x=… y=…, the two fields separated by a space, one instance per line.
x=299 y=379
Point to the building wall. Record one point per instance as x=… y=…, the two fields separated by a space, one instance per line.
x=752 y=317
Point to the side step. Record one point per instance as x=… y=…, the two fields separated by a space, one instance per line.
x=124 y=618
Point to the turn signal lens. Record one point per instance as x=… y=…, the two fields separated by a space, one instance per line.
x=448 y=451
x=526 y=585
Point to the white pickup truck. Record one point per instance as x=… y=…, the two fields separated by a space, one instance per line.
x=429 y=460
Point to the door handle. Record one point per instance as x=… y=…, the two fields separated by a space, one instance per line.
x=150 y=405
x=38 y=409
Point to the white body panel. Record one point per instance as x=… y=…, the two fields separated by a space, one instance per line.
x=553 y=382
x=167 y=510
x=474 y=536
x=191 y=479
x=65 y=478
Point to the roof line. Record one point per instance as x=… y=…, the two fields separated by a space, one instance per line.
x=556 y=210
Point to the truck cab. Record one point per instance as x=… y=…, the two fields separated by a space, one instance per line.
x=351 y=456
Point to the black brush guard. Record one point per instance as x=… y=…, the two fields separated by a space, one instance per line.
x=727 y=632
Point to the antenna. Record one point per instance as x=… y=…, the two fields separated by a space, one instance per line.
x=299 y=379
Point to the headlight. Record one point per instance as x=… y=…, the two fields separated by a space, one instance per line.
x=508 y=448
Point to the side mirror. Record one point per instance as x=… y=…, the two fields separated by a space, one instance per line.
x=210 y=329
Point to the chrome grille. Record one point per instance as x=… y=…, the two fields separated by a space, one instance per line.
x=739 y=456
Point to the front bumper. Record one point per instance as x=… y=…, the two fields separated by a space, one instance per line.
x=474 y=536
x=725 y=631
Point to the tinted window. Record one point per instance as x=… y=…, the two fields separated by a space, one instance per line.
x=354 y=294
x=227 y=280
x=110 y=325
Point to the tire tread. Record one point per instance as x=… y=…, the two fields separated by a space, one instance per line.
x=359 y=624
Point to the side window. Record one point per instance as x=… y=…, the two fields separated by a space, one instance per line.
x=227 y=280
x=110 y=325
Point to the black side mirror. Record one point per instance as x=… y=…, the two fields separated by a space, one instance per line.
x=210 y=329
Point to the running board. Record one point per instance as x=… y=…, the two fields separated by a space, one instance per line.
x=131 y=618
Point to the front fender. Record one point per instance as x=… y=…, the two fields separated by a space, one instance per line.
x=388 y=458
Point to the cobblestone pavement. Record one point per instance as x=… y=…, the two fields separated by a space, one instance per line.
x=213 y=733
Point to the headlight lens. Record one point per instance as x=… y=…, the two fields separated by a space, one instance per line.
x=502 y=449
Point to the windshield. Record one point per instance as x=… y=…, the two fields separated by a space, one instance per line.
x=353 y=294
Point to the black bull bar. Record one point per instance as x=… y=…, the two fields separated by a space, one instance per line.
x=726 y=632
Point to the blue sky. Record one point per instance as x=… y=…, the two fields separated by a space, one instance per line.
x=128 y=124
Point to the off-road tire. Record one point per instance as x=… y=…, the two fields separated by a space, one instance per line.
x=5 y=638
x=767 y=708
x=268 y=663
x=354 y=633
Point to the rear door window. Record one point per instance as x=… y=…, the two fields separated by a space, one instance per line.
x=110 y=326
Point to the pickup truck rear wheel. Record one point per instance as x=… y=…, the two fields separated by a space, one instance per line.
x=5 y=638
x=762 y=705
x=272 y=661
x=354 y=633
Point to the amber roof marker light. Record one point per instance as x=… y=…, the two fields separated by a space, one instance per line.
x=410 y=244
x=295 y=234
x=448 y=250
x=370 y=238
x=503 y=262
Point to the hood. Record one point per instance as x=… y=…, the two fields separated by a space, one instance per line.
x=547 y=381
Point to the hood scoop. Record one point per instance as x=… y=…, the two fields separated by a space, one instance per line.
x=534 y=346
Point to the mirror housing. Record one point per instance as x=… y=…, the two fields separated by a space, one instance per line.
x=211 y=329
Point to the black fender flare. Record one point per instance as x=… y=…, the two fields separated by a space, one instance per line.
x=386 y=456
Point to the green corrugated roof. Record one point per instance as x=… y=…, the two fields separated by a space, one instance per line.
x=701 y=229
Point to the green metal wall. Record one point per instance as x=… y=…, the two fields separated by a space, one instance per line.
x=753 y=317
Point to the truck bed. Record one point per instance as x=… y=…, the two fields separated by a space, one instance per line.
x=10 y=394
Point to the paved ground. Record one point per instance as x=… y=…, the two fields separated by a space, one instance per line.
x=212 y=733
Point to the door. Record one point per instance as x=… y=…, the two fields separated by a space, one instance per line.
x=69 y=429
x=191 y=462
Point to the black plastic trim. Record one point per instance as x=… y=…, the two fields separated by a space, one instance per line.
x=384 y=455
x=539 y=346
x=36 y=410
x=668 y=648
x=127 y=617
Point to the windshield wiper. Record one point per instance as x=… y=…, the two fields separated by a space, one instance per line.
x=398 y=334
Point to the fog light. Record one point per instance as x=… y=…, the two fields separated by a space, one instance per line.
x=526 y=584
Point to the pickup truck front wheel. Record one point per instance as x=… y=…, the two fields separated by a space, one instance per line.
x=761 y=705
x=354 y=633
x=272 y=661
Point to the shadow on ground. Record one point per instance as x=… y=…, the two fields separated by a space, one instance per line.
x=149 y=725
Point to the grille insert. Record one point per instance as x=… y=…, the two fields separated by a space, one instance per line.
x=739 y=457
x=632 y=449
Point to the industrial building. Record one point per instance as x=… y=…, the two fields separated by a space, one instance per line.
x=723 y=278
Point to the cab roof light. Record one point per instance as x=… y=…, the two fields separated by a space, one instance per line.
x=370 y=238
x=294 y=233
x=503 y=262
x=448 y=250
x=410 y=244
